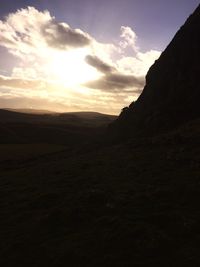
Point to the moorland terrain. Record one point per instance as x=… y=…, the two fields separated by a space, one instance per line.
x=77 y=192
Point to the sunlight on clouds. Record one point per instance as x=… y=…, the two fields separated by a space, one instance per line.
x=67 y=67
x=70 y=68
x=24 y=73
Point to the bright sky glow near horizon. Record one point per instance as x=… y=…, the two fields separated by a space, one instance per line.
x=82 y=55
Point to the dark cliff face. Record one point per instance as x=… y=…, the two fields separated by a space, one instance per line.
x=172 y=92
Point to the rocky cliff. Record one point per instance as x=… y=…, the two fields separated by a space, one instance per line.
x=172 y=92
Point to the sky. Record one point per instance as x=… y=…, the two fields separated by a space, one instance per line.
x=82 y=55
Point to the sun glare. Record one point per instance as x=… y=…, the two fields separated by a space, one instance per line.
x=70 y=69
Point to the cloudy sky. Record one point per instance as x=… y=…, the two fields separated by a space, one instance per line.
x=82 y=55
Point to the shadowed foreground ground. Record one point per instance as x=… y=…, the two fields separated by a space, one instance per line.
x=131 y=204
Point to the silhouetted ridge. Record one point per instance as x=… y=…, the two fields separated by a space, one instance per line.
x=172 y=91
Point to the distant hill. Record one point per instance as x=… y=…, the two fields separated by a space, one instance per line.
x=31 y=111
x=171 y=95
x=81 y=114
x=44 y=126
x=74 y=118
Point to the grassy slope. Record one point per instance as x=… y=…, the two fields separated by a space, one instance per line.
x=134 y=204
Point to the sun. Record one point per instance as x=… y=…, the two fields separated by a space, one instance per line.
x=70 y=68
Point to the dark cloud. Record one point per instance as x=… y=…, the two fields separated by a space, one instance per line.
x=99 y=64
x=61 y=36
x=112 y=80
x=117 y=82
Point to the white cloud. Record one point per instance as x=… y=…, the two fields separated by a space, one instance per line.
x=28 y=30
x=129 y=38
x=139 y=64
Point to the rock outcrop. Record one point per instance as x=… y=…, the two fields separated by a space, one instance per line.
x=172 y=92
